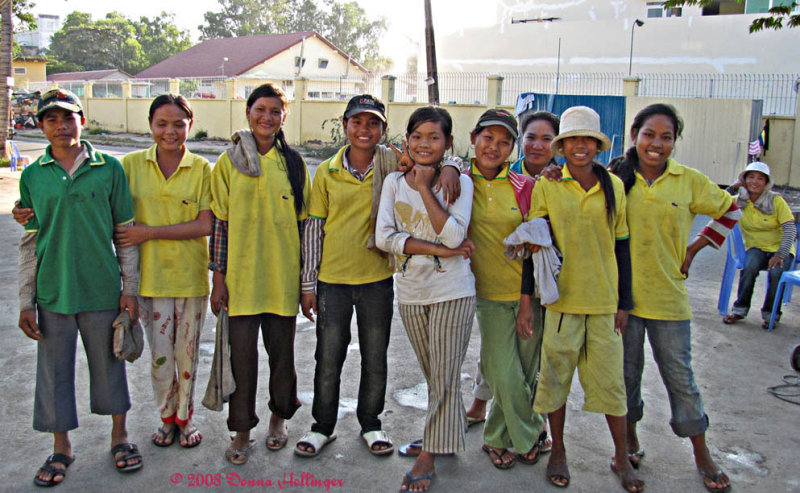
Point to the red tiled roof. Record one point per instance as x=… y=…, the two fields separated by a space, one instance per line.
x=243 y=53
x=86 y=75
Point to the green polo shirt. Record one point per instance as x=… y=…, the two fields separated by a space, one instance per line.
x=77 y=270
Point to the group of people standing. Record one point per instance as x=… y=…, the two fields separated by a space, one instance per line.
x=377 y=219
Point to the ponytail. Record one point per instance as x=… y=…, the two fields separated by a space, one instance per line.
x=625 y=168
x=608 y=189
x=295 y=169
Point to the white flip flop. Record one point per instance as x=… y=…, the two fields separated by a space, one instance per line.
x=379 y=437
x=314 y=439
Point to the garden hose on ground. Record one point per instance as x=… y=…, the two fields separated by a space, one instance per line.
x=789 y=391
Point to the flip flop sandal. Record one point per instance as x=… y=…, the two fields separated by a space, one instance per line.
x=167 y=437
x=378 y=437
x=530 y=460
x=48 y=466
x=635 y=458
x=544 y=447
x=731 y=318
x=314 y=439
x=629 y=484
x=472 y=421
x=131 y=451
x=411 y=480
x=239 y=456
x=411 y=449
x=498 y=454
x=713 y=478
x=186 y=434
x=276 y=442
x=556 y=472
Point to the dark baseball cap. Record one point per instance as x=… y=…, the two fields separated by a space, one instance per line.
x=58 y=98
x=498 y=116
x=365 y=103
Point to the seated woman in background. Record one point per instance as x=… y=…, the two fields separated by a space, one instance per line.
x=769 y=231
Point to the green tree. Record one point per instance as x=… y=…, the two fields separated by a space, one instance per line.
x=160 y=38
x=114 y=42
x=344 y=24
x=778 y=18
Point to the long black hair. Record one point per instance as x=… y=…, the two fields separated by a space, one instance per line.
x=604 y=178
x=295 y=166
x=625 y=167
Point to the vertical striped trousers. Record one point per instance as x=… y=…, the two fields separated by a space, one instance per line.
x=439 y=334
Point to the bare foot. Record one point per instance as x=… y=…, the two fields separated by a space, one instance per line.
x=477 y=410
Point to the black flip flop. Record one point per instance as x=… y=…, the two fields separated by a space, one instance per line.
x=47 y=466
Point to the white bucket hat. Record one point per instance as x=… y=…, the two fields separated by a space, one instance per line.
x=580 y=121
x=756 y=166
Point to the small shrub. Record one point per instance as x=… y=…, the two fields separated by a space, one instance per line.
x=200 y=134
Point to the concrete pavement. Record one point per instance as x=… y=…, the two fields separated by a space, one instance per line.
x=753 y=436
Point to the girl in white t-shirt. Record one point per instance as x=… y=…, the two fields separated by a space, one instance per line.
x=435 y=286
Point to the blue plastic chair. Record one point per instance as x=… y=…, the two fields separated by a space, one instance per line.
x=734 y=262
x=14 y=155
x=788 y=279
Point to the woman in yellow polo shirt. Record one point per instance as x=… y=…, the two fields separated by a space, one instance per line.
x=509 y=362
x=171 y=194
x=769 y=232
x=260 y=189
x=582 y=328
x=663 y=198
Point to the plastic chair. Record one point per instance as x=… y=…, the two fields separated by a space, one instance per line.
x=788 y=279
x=734 y=262
x=15 y=157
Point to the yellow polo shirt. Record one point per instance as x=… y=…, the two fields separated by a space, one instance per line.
x=587 y=283
x=263 y=272
x=764 y=231
x=495 y=215
x=345 y=204
x=660 y=219
x=170 y=268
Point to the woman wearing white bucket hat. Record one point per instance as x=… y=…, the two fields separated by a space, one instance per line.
x=769 y=232
x=582 y=329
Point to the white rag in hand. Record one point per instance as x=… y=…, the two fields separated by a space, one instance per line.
x=546 y=261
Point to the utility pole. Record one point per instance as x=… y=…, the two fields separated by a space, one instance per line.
x=430 y=52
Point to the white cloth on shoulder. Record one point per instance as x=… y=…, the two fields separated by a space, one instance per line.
x=546 y=261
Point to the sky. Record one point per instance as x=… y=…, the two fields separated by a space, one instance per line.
x=404 y=36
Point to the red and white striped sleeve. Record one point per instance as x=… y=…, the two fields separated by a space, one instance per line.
x=718 y=229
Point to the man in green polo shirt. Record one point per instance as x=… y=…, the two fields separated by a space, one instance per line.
x=70 y=276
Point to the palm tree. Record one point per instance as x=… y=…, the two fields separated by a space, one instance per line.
x=6 y=29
